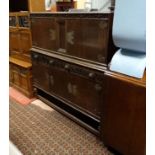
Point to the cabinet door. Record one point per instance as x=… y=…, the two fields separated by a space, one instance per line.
x=78 y=90
x=40 y=70
x=44 y=33
x=14 y=41
x=86 y=94
x=95 y=39
x=25 y=40
x=87 y=38
x=59 y=83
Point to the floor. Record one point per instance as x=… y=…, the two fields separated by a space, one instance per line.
x=74 y=131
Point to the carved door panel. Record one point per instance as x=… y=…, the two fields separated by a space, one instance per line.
x=86 y=94
x=14 y=41
x=40 y=71
x=59 y=83
x=95 y=37
x=87 y=38
x=44 y=33
x=74 y=40
x=25 y=40
x=76 y=86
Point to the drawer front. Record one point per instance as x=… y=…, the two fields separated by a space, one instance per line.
x=87 y=38
x=44 y=33
x=82 y=87
x=40 y=71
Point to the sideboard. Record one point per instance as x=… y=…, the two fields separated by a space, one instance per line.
x=70 y=55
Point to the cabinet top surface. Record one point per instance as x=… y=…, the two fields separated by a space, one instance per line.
x=69 y=13
x=136 y=81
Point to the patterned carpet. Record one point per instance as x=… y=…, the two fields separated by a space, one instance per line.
x=36 y=131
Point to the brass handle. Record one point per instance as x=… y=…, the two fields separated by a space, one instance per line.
x=52 y=34
x=103 y=25
x=36 y=56
x=101 y=58
x=61 y=50
x=72 y=89
x=51 y=62
x=67 y=66
x=91 y=75
x=70 y=37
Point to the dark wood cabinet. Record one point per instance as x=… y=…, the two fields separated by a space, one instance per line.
x=85 y=37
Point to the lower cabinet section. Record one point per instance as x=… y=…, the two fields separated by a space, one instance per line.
x=21 y=78
x=109 y=105
x=79 y=87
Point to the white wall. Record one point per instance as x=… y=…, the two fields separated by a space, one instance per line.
x=97 y=4
x=80 y=4
x=102 y=5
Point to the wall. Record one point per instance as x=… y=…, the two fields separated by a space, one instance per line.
x=80 y=4
x=102 y=5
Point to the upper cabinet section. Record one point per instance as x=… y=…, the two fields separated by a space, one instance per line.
x=84 y=36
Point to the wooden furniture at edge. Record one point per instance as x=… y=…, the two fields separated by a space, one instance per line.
x=124 y=114
x=72 y=51
x=36 y=5
x=19 y=51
